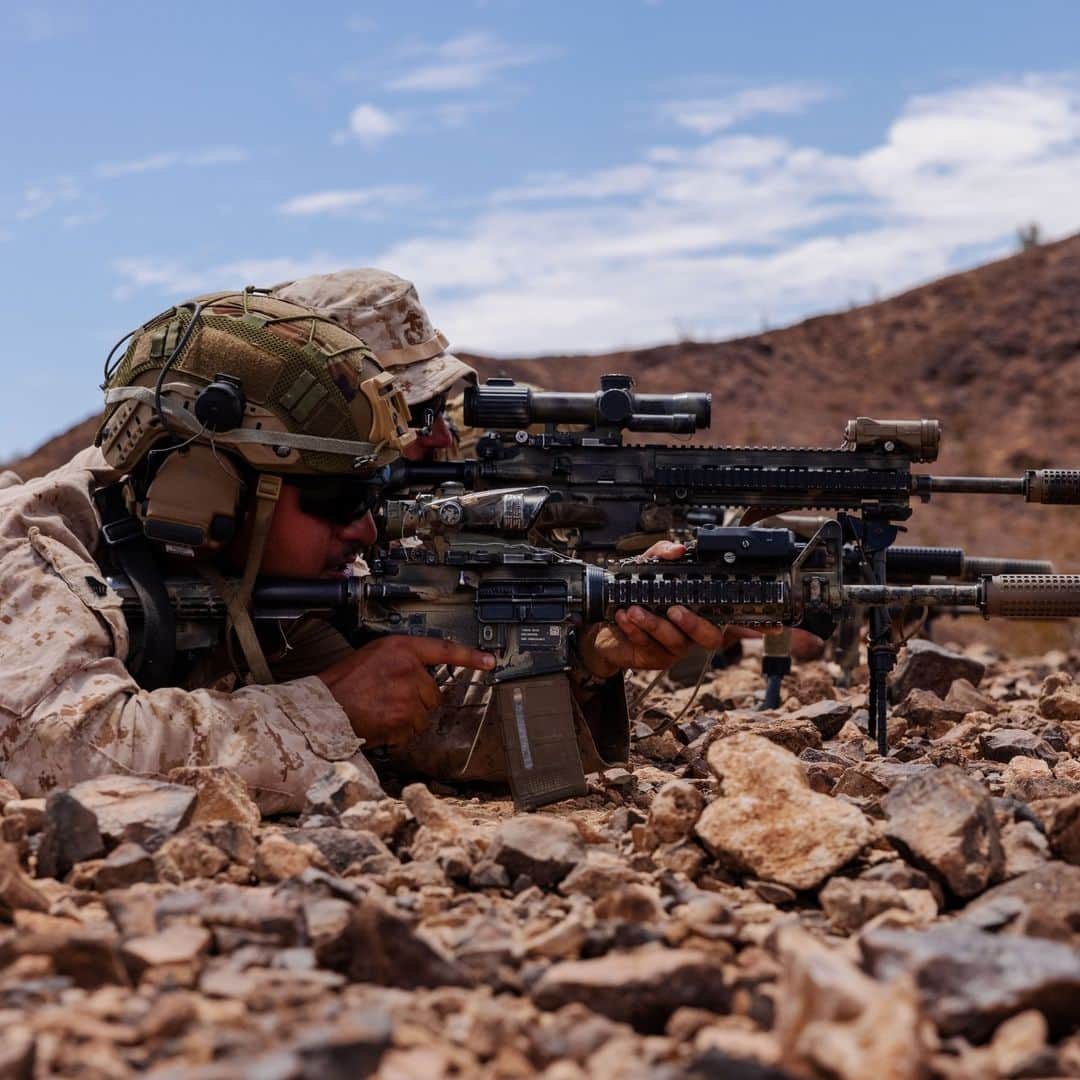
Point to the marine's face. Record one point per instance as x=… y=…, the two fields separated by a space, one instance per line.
x=302 y=545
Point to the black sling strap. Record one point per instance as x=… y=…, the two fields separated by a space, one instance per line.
x=133 y=556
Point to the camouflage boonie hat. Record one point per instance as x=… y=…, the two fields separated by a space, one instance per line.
x=386 y=312
x=316 y=399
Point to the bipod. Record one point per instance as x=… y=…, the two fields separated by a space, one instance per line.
x=775 y=664
x=873 y=536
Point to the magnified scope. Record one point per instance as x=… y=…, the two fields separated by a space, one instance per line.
x=501 y=404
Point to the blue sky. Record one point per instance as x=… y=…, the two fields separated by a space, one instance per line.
x=553 y=176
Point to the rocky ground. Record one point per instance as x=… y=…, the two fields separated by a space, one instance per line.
x=762 y=896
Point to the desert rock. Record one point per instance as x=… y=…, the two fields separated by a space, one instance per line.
x=943 y=822
x=768 y=819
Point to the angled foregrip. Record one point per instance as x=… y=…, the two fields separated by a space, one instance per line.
x=1060 y=487
x=1032 y=596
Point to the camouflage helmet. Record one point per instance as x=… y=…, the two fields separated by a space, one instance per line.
x=386 y=312
x=311 y=398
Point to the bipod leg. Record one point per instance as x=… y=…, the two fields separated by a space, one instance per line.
x=872 y=707
x=775 y=664
x=771 y=700
x=882 y=660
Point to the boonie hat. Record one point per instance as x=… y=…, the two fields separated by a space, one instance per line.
x=386 y=312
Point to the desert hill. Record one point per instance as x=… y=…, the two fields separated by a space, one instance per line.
x=994 y=353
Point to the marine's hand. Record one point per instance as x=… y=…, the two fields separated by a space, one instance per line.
x=386 y=689
x=640 y=639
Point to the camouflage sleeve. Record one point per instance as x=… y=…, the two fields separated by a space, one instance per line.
x=69 y=709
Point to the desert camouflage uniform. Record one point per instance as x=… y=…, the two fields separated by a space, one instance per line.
x=69 y=709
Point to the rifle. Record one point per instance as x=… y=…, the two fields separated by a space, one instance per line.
x=904 y=565
x=525 y=604
x=613 y=492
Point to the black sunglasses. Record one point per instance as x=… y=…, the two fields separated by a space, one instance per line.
x=337 y=499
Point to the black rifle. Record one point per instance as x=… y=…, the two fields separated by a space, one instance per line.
x=904 y=565
x=613 y=493
x=525 y=603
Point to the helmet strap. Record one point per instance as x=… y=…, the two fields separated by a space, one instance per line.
x=238 y=596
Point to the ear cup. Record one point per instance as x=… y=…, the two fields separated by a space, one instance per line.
x=220 y=406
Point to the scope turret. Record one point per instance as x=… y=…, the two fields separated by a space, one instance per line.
x=503 y=405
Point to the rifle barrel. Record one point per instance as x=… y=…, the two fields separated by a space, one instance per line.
x=977 y=485
x=1057 y=487
x=1013 y=596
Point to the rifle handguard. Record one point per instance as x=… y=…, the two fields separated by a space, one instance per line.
x=1032 y=596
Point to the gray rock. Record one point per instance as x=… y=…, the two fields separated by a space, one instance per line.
x=342 y=786
x=379 y=946
x=924 y=710
x=132 y=808
x=1063 y=828
x=969 y=980
x=1044 y=902
x=962 y=695
x=71 y=835
x=642 y=987
x=872 y=779
x=1003 y=744
x=343 y=847
x=544 y=849
x=852 y=902
x=926 y=665
x=488 y=875
x=1025 y=845
x=943 y=821
x=125 y=866
x=827 y=716
x=350 y=1048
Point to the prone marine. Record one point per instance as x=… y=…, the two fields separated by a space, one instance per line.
x=238 y=433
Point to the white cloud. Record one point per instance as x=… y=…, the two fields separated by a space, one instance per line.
x=330 y=202
x=217 y=155
x=171 y=278
x=706 y=116
x=37 y=22
x=733 y=231
x=109 y=170
x=41 y=198
x=77 y=221
x=463 y=63
x=370 y=124
x=211 y=155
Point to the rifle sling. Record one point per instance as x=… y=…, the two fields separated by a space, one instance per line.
x=240 y=621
